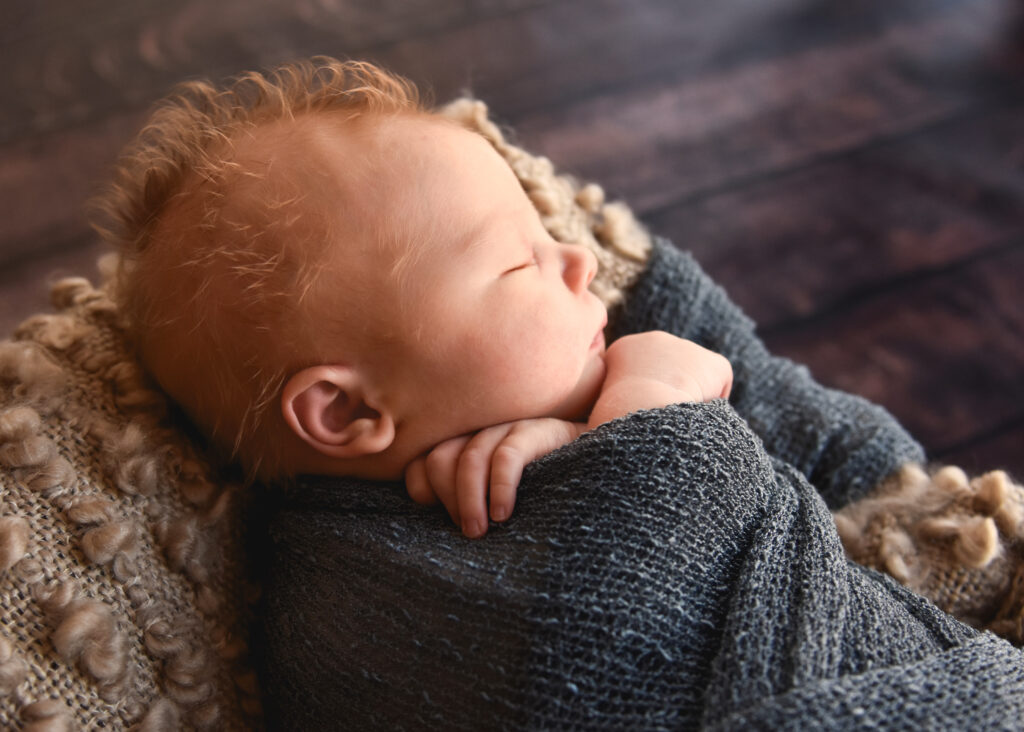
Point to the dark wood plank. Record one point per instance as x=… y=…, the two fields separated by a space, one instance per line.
x=944 y=354
x=578 y=49
x=689 y=40
x=45 y=183
x=77 y=62
x=521 y=54
x=808 y=241
x=656 y=144
x=25 y=286
x=1001 y=450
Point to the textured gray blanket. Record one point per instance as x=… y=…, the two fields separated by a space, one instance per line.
x=676 y=568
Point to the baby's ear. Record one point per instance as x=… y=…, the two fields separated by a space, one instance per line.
x=327 y=407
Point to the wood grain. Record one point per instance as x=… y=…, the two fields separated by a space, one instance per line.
x=656 y=144
x=808 y=241
x=944 y=353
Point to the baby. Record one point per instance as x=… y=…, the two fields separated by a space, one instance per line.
x=330 y=279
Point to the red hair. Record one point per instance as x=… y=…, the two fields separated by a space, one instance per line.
x=205 y=278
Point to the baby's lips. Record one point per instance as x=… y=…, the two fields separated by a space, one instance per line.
x=599 y=336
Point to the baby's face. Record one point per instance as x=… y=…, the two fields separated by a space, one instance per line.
x=490 y=319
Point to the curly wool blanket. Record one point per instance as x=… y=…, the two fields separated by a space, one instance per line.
x=677 y=568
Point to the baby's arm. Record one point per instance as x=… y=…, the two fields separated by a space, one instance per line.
x=644 y=371
x=654 y=369
x=843 y=444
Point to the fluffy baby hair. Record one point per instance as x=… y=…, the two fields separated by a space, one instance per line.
x=209 y=269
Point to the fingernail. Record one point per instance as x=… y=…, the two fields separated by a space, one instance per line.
x=499 y=513
x=472 y=529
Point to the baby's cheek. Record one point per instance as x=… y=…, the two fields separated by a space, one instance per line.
x=558 y=366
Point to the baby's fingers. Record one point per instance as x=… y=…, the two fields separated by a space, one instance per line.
x=506 y=470
x=416 y=483
x=525 y=442
x=440 y=469
x=473 y=476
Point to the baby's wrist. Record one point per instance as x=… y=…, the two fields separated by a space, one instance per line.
x=633 y=394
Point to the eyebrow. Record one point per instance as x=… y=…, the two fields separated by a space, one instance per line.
x=475 y=239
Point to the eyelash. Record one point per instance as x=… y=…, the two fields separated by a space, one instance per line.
x=533 y=262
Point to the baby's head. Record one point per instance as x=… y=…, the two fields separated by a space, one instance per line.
x=329 y=278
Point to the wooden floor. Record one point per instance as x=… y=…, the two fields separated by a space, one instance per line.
x=852 y=172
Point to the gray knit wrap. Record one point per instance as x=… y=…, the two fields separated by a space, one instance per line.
x=675 y=568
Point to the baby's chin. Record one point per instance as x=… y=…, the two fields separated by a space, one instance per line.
x=580 y=402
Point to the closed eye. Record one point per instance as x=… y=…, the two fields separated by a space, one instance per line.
x=526 y=265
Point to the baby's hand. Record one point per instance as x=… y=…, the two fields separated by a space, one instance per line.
x=644 y=371
x=463 y=471
x=655 y=369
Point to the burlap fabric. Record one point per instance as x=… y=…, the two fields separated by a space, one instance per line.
x=957 y=541
x=121 y=580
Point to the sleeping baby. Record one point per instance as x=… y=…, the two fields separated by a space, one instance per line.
x=355 y=298
x=358 y=287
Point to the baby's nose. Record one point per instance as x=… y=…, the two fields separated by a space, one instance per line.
x=579 y=266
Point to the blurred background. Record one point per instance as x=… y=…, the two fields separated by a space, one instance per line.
x=853 y=173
